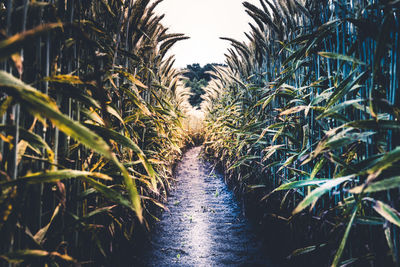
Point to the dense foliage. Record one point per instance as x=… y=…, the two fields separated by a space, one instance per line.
x=306 y=123
x=197 y=78
x=196 y=90
x=89 y=128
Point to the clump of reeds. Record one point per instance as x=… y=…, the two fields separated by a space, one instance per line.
x=89 y=127
x=308 y=111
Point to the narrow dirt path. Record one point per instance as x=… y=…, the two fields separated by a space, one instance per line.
x=205 y=225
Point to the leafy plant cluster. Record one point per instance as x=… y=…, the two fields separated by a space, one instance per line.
x=89 y=126
x=305 y=121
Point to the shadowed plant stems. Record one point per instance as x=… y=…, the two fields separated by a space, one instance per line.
x=90 y=128
x=305 y=122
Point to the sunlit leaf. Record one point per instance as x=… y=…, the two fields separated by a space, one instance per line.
x=30 y=254
x=39 y=236
x=107 y=192
x=383 y=185
x=385 y=211
x=341 y=57
x=342 y=245
x=53 y=176
x=317 y=193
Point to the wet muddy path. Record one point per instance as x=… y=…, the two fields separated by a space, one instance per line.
x=205 y=225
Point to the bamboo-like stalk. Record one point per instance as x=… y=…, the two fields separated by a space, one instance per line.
x=321 y=47
x=84 y=100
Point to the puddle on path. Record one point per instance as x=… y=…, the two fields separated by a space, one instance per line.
x=205 y=225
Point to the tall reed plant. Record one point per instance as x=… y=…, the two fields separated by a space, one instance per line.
x=90 y=126
x=307 y=113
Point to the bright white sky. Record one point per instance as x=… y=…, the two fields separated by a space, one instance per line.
x=204 y=21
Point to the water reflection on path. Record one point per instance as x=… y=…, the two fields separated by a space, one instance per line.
x=205 y=226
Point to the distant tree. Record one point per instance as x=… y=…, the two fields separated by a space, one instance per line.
x=194 y=71
x=197 y=90
x=197 y=79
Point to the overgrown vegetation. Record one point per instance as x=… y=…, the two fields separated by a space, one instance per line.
x=90 y=126
x=306 y=123
x=304 y=120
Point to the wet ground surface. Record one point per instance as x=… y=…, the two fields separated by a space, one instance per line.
x=205 y=225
